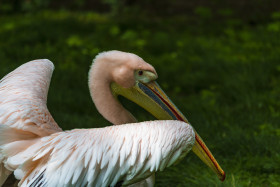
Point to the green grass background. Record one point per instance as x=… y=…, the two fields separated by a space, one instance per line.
x=224 y=76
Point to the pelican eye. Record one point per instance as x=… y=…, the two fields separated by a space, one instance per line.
x=144 y=76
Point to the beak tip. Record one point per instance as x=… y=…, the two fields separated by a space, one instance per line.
x=223 y=177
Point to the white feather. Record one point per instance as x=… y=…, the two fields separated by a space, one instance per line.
x=72 y=169
x=23 y=111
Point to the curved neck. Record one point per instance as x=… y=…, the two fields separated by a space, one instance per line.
x=106 y=103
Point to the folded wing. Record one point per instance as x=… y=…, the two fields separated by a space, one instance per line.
x=103 y=157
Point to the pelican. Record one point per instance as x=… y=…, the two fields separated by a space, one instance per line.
x=36 y=150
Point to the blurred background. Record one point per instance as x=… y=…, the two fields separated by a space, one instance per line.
x=218 y=60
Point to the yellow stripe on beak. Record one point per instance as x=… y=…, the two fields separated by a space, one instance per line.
x=152 y=98
x=199 y=148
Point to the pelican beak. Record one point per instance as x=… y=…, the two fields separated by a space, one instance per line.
x=152 y=98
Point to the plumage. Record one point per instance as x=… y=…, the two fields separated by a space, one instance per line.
x=39 y=153
x=23 y=93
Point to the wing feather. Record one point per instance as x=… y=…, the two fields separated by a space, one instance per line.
x=79 y=162
x=23 y=98
x=23 y=112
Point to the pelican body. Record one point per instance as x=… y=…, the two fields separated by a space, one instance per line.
x=36 y=150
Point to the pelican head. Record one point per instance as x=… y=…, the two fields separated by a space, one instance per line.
x=128 y=75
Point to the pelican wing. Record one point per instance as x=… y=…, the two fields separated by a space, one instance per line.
x=23 y=97
x=105 y=156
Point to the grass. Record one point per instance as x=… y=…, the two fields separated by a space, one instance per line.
x=223 y=76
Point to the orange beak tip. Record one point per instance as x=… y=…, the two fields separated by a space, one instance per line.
x=223 y=177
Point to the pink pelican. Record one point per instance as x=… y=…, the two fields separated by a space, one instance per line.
x=36 y=150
